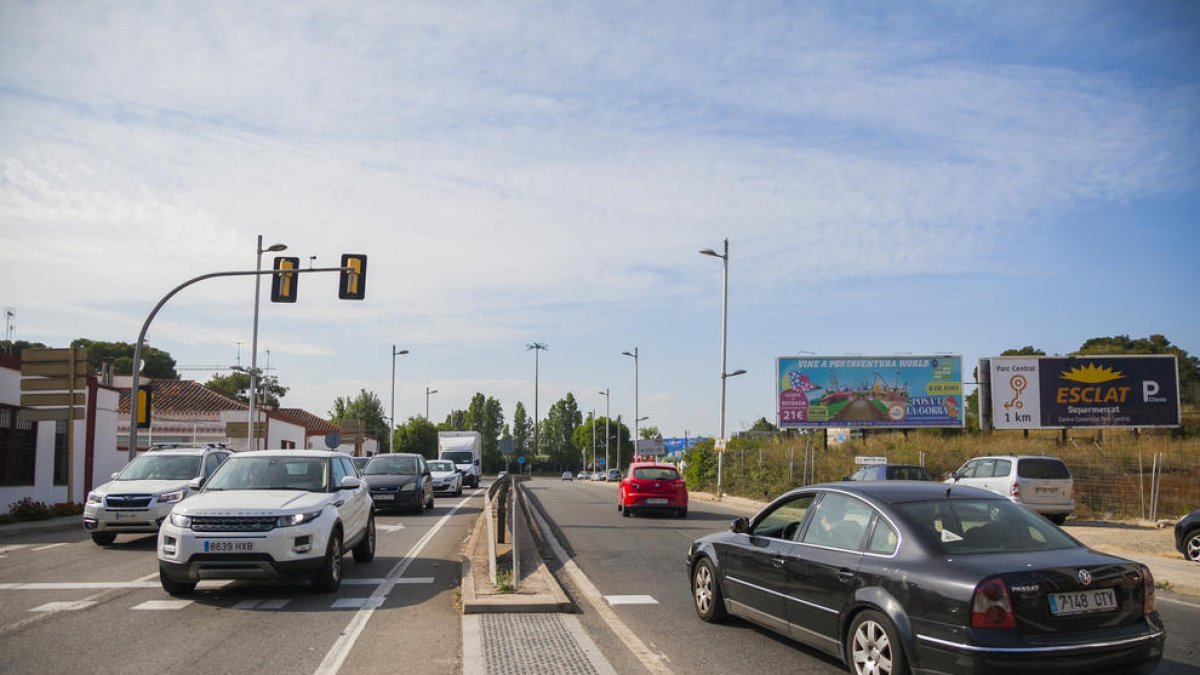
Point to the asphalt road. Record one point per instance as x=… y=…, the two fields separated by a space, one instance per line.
x=67 y=605
x=644 y=556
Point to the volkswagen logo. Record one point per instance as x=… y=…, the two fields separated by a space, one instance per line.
x=1085 y=577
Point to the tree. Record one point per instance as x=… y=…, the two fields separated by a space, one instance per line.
x=582 y=439
x=486 y=416
x=456 y=420
x=15 y=347
x=1027 y=350
x=158 y=364
x=1189 y=366
x=417 y=435
x=763 y=425
x=650 y=432
x=556 y=433
x=237 y=386
x=365 y=409
x=700 y=465
x=522 y=431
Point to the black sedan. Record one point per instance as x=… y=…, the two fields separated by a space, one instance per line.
x=1187 y=536
x=901 y=576
x=399 y=481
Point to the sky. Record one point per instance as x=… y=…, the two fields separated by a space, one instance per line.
x=892 y=178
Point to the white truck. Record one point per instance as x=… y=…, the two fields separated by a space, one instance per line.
x=464 y=448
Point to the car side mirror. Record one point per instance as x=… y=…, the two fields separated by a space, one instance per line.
x=845 y=478
x=195 y=483
x=350 y=483
x=476 y=462
x=740 y=526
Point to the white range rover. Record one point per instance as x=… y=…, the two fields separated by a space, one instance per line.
x=266 y=515
x=139 y=496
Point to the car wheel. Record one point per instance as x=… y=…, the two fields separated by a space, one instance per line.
x=682 y=513
x=627 y=512
x=458 y=492
x=330 y=577
x=175 y=587
x=619 y=507
x=429 y=504
x=1191 y=546
x=104 y=538
x=365 y=551
x=872 y=647
x=1058 y=518
x=706 y=593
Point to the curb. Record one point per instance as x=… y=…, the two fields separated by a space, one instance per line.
x=36 y=526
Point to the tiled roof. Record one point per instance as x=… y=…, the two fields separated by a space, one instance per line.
x=312 y=423
x=184 y=396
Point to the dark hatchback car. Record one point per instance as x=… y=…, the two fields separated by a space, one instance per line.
x=1187 y=536
x=900 y=576
x=399 y=481
x=891 y=472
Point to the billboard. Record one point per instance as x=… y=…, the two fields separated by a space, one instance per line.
x=881 y=392
x=1057 y=392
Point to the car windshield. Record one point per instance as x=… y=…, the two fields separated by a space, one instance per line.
x=459 y=457
x=908 y=473
x=392 y=466
x=655 y=473
x=162 y=467
x=271 y=473
x=965 y=526
x=439 y=465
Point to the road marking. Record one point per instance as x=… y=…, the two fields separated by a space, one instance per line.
x=653 y=662
x=357 y=603
x=389 y=528
x=13 y=547
x=630 y=600
x=341 y=647
x=373 y=582
x=277 y=603
x=1178 y=602
x=48 y=546
x=78 y=585
x=163 y=604
x=65 y=606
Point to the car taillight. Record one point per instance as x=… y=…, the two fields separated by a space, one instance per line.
x=1149 y=601
x=1015 y=490
x=991 y=607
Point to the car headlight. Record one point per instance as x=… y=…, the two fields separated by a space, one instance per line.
x=95 y=498
x=180 y=520
x=172 y=497
x=296 y=519
x=408 y=487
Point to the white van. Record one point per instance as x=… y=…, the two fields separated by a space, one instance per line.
x=1043 y=484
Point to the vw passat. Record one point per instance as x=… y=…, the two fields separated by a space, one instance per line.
x=269 y=514
x=140 y=496
x=903 y=576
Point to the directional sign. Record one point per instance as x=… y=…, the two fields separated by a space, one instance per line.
x=38 y=400
x=51 y=355
x=242 y=430
x=57 y=414
x=52 y=383
x=53 y=369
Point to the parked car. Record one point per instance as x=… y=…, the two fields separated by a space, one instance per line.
x=269 y=514
x=599 y=475
x=1042 y=484
x=583 y=475
x=897 y=575
x=652 y=487
x=567 y=475
x=614 y=475
x=1187 y=536
x=447 y=479
x=140 y=496
x=400 y=480
x=891 y=472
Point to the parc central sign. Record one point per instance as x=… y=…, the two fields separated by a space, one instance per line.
x=1080 y=391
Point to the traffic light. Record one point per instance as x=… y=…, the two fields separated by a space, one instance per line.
x=352 y=285
x=284 y=285
x=145 y=401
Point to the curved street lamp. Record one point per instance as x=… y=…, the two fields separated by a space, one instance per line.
x=392 y=431
x=428 y=391
x=273 y=248
x=634 y=354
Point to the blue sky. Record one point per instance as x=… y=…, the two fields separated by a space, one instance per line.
x=892 y=177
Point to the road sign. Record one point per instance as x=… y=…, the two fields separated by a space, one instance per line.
x=332 y=440
x=721 y=443
x=57 y=414
x=38 y=400
x=242 y=430
x=62 y=369
x=521 y=459
x=52 y=355
x=870 y=460
x=52 y=383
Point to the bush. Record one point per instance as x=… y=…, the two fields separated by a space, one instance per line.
x=66 y=509
x=28 y=509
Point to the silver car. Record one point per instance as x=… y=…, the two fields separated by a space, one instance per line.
x=1042 y=484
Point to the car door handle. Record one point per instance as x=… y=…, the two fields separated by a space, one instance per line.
x=339 y=502
x=778 y=561
x=846 y=574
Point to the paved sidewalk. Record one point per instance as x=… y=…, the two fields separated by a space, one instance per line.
x=32 y=526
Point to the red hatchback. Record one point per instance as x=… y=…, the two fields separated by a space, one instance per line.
x=652 y=487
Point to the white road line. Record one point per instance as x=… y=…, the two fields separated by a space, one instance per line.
x=13 y=547
x=47 y=546
x=64 y=606
x=341 y=648
x=373 y=582
x=163 y=604
x=630 y=600
x=78 y=585
x=1177 y=602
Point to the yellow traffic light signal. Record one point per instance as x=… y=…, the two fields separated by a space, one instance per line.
x=352 y=285
x=284 y=285
x=145 y=401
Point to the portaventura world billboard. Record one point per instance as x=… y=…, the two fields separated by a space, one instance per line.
x=882 y=392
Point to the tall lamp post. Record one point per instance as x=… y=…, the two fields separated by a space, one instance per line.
x=428 y=391
x=724 y=333
x=392 y=432
x=537 y=347
x=251 y=443
x=594 y=442
x=634 y=354
x=607 y=414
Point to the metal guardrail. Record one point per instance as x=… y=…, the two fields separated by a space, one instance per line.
x=500 y=490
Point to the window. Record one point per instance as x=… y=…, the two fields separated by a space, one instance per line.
x=784 y=520
x=60 y=452
x=18 y=448
x=962 y=526
x=1051 y=469
x=655 y=473
x=839 y=521
x=212 y=462
x=968 y=469
x=287 y=445
x=1003 y=468
x=984 y=468
x=883 y=539
x=340 y=472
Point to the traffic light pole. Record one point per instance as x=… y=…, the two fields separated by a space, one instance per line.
x=137 y=349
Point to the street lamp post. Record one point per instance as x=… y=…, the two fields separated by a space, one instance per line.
x=537 y=347
x=724 y=333
x=594 y=442
x=607 y=414
x=635 y=396
x=428 y=391
x=392 y=432
x=250 y=441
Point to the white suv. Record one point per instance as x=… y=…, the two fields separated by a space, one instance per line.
x=1042 y=484
x=269 y=514
x=139 y=497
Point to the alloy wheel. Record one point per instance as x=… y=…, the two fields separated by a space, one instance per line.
x=703 y=588
x=871 y=651
x=1193 y=547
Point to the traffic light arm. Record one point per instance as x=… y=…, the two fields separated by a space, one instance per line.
x=137 y=349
